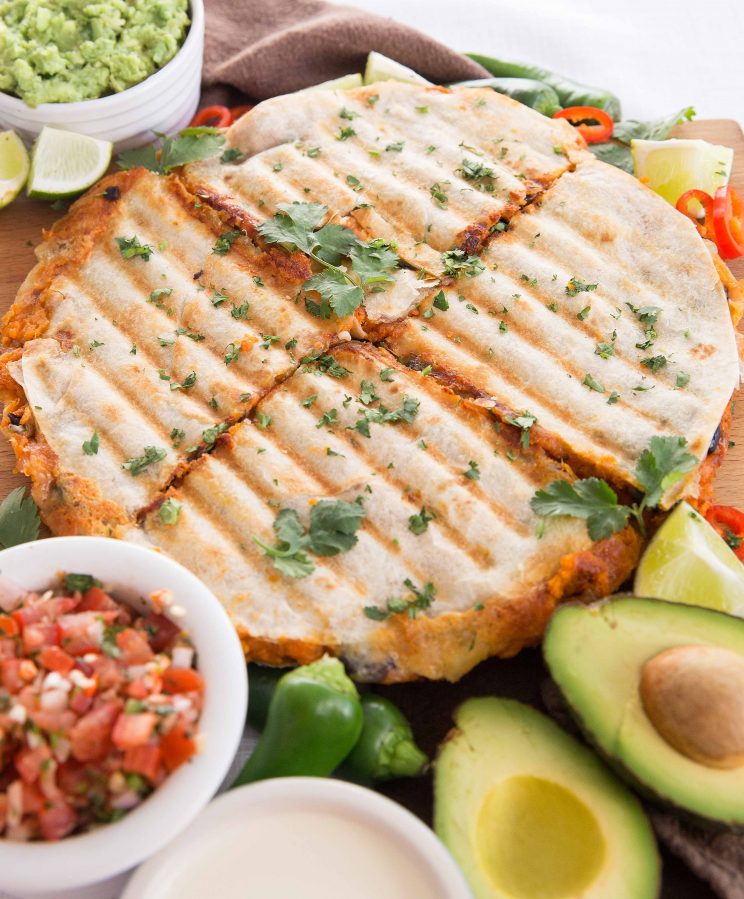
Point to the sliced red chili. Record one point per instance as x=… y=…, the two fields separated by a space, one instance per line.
x=594 y=124
x=729 y=522
x=212 y=117
x=704 y=226
x=238 y=111
x=727 y=222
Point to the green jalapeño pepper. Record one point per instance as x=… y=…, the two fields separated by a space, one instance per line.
x=262 y=681
x=570 y=92
x=535 y=94
x=386 y=748
x=314 y=720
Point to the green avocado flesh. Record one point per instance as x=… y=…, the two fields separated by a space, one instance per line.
x=529 y=813
x=596 y=655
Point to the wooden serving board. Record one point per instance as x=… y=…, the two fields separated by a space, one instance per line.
x=21 y=224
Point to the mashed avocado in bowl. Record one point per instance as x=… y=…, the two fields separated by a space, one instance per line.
x=62 y=51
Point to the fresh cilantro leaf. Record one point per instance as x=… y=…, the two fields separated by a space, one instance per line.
x=604 y=350
x=138 y=464
x=293 y=226
x=19 y=519
x=367 y=393
x=333 y=526
x=345 y=133
x=592 y=383
x=263 y=421
x=683 y=379
x=661 y=465
x=438 y=193
x=646 y=314
x=129 y=247
x=386 y=374
x=225 y=241
x=373 y=261
x=80 y=583
x=232 y=352
x=473 y=471
x=90 y=447
x=232 y=154
x=420 y=600
x=419 y=523
x=576 y=286
x=396 y=147
x=655 y=362
x=334 y=242
x=335 y=289
x=440 y=301
x=168 y=152
x=169 y=511
x=592 y=499
x=210 y=435
x=324 y=363
x=525 y=421
x=328 y=418
x=457 y=262
x=147 y=157
x=288 y=556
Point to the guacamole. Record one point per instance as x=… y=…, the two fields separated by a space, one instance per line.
x=60 y=51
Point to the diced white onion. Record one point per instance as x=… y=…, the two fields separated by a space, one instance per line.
x=55 y=681
x=53 y=700
x=183 y=657
x=18 y=714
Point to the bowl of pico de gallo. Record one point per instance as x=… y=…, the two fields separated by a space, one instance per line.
x=123 y=692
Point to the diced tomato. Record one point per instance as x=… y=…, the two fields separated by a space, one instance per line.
x=8 y=647
x=33 y=799
x=144 y=760
x=97 y=600
x=108 y=674
x=36 y=636
x=141 y=687
x=53 y=721
x=55 y=659
x=56 y=819
x=29 y=762
x=177 y=747
x=10 y=675
x=160 y=631
x=8 y=626
x=47 y=610
x=135 y=650
x=91 y=736
x=182 y=680
x=78 y=632
x=133 y=730
x=74 y=778
x=80 y=702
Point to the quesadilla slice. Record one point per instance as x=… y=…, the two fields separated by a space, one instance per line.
x=369 y=512
x=429 y=168
x=599 y=313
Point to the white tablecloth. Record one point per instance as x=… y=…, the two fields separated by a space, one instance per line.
x=656 y=55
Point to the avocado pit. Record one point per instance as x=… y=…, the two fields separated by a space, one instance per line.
x=694 y=697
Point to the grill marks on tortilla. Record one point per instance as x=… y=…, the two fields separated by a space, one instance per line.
x=415 y=192
x=590 y=226
x=481 y=547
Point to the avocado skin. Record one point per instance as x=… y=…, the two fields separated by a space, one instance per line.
x=645 y=789
x=550 y=768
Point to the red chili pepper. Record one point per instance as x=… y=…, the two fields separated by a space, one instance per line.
x=729 y=522
x=238 y=111
x=727 y=222
x=705 y=227
x=594 y=124
x=212 y=117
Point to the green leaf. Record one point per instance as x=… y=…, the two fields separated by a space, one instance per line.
x=604 y=524
x=297 y=566
x=457 y=262
x=138 y=464
x=367 y=393
x=293 y=226
x=419 y=523
x=661 y=465
x=289 y=531
x=80 y=582
x=617 y=151
x=373 y=261
x=225 y=241
x=618 y=155
x=90 y=447
x=334 y=242
x=19 y=519
x=147 y=157
x=333 y=525
x=335 y=289
x=129 y=247
x=578 y=500
x=169 y=511
x=191 y=145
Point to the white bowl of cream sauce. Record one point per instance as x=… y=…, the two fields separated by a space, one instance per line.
x=302 y=836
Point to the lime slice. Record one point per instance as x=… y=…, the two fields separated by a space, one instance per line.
x=344 y=83
x=381 y=68
x=64 y=164
x=687 y=562
x=672 y=167
x=13 y=167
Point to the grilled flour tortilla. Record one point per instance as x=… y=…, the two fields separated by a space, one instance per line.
x=166 y=382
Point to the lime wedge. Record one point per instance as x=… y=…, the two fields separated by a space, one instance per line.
x=687 y=562
x=64 y=164
x=13 y=167
x=381 y=68
x=344 y=83
x=672 y=167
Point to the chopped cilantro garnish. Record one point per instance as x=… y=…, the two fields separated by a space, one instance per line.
x=129 y=247
x=576 y=286
x=169 y=511
x=225 y=241
x=138 y=464
x=421 y=599
x=90 y=447
x=419 y=523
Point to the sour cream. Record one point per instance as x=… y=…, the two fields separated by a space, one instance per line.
x=315 y=838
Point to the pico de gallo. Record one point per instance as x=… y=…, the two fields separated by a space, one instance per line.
x=98 y=705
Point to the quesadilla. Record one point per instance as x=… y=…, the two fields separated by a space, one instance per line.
x=600 y=311
x=185 y=371
x=428 y=168
x=448 y=565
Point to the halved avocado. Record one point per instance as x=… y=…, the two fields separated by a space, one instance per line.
x=659 y=688
x=529 y=813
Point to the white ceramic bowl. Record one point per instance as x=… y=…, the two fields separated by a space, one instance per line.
x=133 y=572
x=253 y=832
x=165 y=102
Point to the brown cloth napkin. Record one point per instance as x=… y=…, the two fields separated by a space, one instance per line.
x=277 y=46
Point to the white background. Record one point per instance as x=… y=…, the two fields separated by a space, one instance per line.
x=656 y=55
